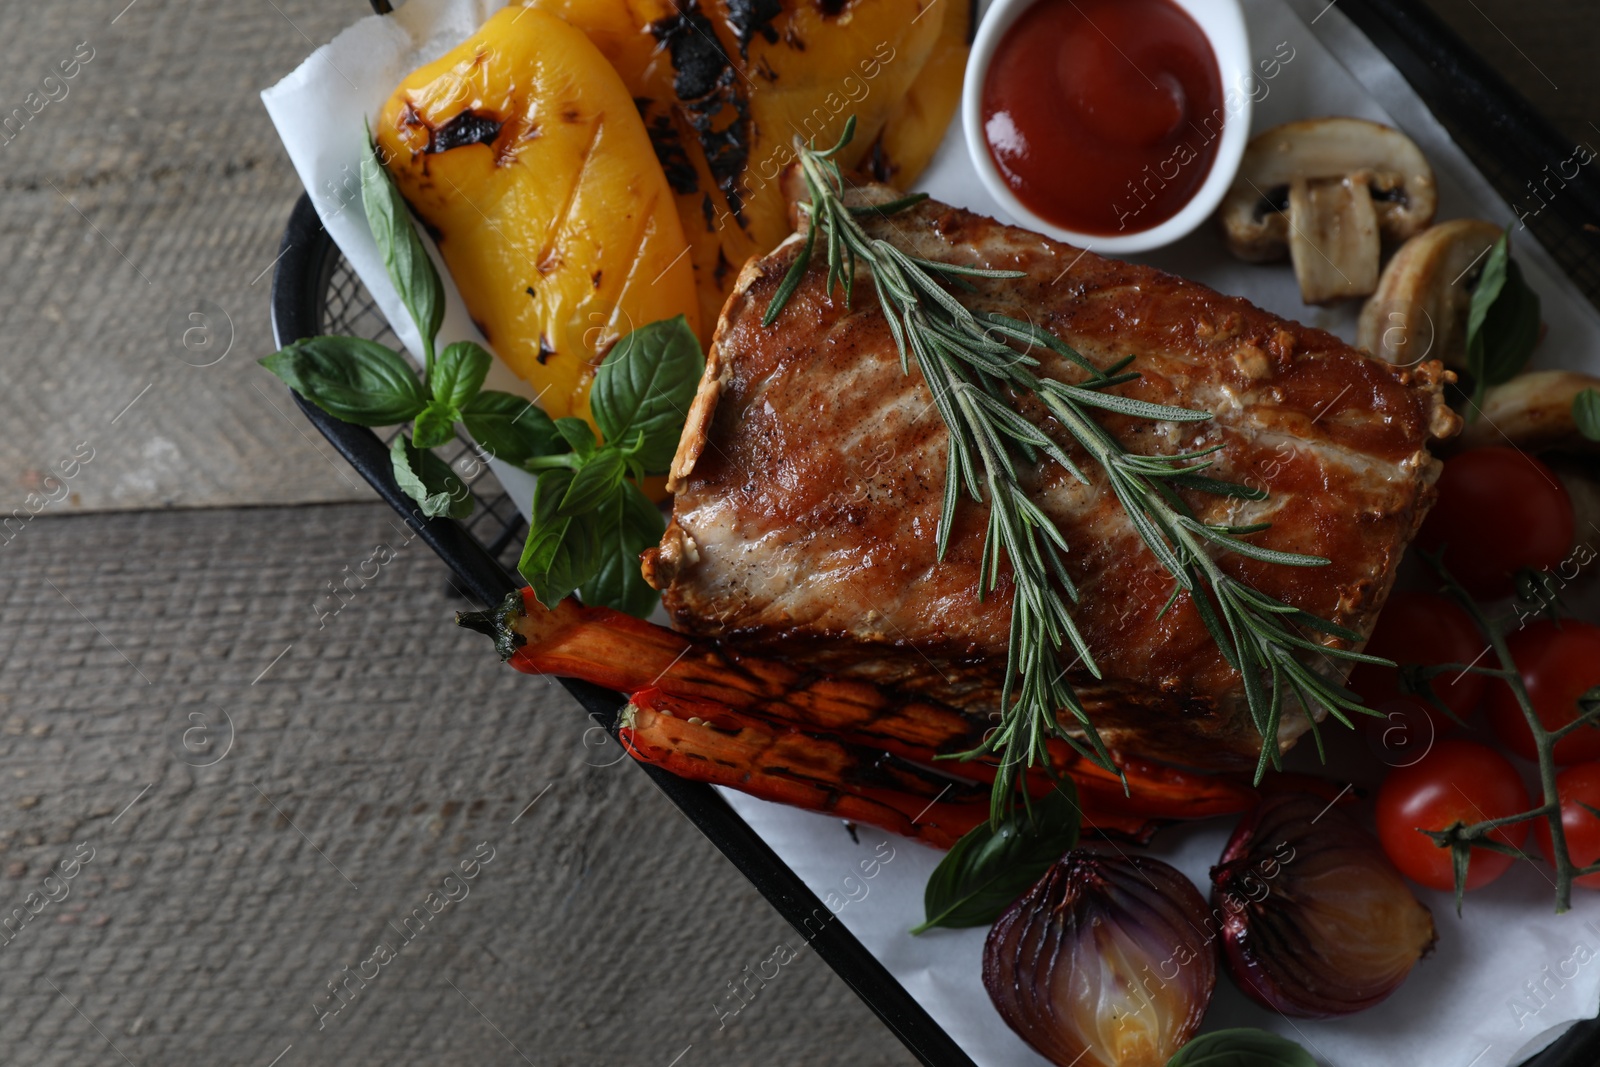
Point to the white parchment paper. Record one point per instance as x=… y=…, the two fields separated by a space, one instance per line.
x=1504 y=980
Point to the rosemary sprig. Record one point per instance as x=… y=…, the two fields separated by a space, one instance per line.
x=971 y=366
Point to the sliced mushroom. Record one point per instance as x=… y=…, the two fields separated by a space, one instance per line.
x=1532 y=411
x=1328 y=192
x=1420 y=309
x=1333 y=238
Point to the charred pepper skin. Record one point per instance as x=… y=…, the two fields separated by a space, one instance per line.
x=724 y=87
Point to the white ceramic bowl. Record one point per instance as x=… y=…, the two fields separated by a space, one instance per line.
x=1222 y=22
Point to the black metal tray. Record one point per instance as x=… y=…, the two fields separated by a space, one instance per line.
x=314 y=291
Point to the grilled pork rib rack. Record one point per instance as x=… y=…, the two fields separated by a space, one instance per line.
x=809 y=481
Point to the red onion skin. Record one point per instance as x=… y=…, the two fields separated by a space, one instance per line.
x=1279 y=847
x=1075 y=941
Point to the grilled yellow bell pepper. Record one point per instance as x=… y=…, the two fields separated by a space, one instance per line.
x=524 y=155
x=913 y=131
x=725 y=85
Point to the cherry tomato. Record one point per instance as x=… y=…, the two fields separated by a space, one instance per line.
x=1558 y=664
x=1499 y=510
x=1576 y=786
x=1427 y=629
x=1458 y=781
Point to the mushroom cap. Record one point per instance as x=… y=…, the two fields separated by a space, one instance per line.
x=1533 y=412
x=1419 y=310
x=1388 y=162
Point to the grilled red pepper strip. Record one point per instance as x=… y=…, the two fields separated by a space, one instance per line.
x=844 y=767
x=624 y=653
x=708 y=743
x=620 y=652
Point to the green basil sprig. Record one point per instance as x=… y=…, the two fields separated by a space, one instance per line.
x=1502 y=320
x=988 y=869
x=590 y=517
x=1243 y=1047
x=362 y=382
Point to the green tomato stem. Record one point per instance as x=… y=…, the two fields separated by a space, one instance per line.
x=1544 y=743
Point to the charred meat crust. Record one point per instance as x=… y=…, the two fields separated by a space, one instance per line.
x=810 y=472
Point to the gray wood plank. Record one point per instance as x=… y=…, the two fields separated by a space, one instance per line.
x=155 y=187
x=366 y=764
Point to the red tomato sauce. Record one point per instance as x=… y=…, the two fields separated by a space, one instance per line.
x=1103 y=116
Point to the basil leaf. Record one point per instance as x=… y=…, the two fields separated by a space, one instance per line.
x=404 y=257
x=429 y=481
x=562 y=551
x=357 y=381
x=645 y=387
x=988 y=870
x=1490 y=281
x=1241 y=1048
x=594 y=482
x=458 y=373
x=629 y=525
x=1586 y=413
x=456 y=377
x=510 y=427
x=577 y=433
x=1511 y=329
x=434 y=427
x=1502 y=320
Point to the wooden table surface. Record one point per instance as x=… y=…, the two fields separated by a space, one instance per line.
x=266 y=796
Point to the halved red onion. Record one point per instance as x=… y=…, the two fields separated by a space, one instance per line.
x=1315 y=919
x=1105 y=962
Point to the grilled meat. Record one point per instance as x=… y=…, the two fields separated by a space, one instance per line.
x=810 y=474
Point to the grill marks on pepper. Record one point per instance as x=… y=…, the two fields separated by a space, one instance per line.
x=469 y=127
x=710 y=95
x=550 y=258
x=878 y=164
x=750 y=17
x=668 y=145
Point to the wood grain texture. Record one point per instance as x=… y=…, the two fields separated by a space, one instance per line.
x=365 y=765
x=155 y=187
